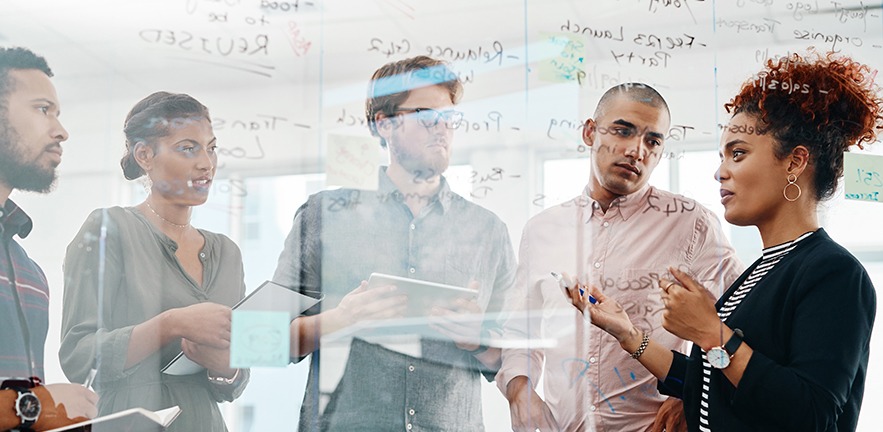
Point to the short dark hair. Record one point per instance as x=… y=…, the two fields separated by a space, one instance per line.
x=837 y=105
x=17 y=58
x=152 y=118
x=635 y=91
x=392 y=83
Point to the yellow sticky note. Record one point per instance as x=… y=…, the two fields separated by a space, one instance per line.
x=563 y=58
x=351 y=162
x=259 y=338
x=862 y=179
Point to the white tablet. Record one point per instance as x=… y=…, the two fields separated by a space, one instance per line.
x=422 y=295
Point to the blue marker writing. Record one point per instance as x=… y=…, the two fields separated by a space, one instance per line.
x=563 y=285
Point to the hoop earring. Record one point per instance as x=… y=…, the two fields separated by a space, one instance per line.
x=792 y=179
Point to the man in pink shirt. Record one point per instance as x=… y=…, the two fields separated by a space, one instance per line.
x=621 y=235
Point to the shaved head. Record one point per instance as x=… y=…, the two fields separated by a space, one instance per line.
x=638 y=92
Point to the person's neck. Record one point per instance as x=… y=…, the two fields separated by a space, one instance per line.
x=602 y=196
x=788 y=226
x=416 y=189
x=171 y=219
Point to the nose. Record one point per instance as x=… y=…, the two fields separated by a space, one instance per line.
x=206 y=160
x=635 y=149
x=59 y=132
x=718 y=174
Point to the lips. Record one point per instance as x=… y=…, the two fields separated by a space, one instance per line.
x=629 y=167
x=726 y=195
x=201 y=183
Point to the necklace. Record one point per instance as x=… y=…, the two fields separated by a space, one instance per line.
x=182 y=226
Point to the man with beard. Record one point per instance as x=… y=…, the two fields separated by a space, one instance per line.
x=30 y=150
x=413 y=226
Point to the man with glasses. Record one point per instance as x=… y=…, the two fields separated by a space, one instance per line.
x=413 y=226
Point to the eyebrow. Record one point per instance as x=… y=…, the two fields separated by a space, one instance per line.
x=196 y=142
x=631 y=125
x=730 y=144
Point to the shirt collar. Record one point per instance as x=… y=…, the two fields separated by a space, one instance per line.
x=13 y=220
x=444 y=195
x=626 y=206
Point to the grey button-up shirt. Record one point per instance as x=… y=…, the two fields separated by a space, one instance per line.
x=338 y=239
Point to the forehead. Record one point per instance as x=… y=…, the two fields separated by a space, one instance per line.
x=743 y=127
x=636 y=112
x=434 y=96
x=27 y=85
x=192 y=128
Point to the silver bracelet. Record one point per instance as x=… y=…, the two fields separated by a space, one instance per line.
x=222 y=380
x=645 y=340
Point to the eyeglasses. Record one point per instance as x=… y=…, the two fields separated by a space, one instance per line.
x=429 y=117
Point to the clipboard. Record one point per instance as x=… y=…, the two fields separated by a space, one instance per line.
x=268 y=297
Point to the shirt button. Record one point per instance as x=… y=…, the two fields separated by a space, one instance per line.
x=412 y=270
x=202 y=255
x=411 y=411
x=593 y=360
x=597 y=265
x=592 y=407
x=409 y=426
x=606 y=224
x=413 y=226
x=411 y=368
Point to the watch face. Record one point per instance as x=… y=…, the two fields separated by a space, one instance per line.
x=718 y=358
x=28 y=406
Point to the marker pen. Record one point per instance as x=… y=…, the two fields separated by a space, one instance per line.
x=563 y=284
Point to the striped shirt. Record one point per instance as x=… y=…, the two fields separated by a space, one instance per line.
x=24 y=299
x=769 y=258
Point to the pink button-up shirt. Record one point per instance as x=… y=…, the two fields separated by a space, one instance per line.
x=589 y=382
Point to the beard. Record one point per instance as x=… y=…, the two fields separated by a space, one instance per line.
x=417 y=159
x=18 y=173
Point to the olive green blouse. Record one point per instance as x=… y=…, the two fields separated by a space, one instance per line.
x=142 y=277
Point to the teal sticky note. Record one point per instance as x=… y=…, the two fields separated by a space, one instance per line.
x=862 y=179
x=259 y=338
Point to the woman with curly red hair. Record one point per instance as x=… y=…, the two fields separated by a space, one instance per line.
x=785 y=348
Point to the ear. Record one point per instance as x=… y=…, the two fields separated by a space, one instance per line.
x=798 y=160
x=589 y=130
x=144 y=155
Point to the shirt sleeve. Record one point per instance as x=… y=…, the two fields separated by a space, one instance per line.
x=300 y=263
x=833 y=312
x=85 y=343
x=504 y=281
x=523 y=324
x=673 y=385
x=712 y=259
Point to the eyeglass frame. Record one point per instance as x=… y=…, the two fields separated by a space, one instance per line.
x=439 y=115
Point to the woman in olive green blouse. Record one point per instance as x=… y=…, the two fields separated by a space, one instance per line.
x=141 y=283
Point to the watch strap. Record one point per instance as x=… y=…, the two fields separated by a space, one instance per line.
x=734 y=343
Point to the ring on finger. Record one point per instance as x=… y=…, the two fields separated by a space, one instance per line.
x=668 y=285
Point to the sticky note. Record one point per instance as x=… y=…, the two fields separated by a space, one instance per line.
x=862 y=179
x=259 y=338
x=351 y=162
x=563 y=58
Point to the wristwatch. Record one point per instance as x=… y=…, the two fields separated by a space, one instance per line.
x=27 y=407
x=719 y=357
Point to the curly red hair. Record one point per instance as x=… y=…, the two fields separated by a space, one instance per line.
x=825 y=103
